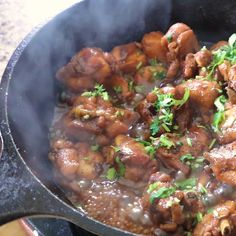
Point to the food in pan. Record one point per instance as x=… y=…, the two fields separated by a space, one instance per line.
x=146 y=136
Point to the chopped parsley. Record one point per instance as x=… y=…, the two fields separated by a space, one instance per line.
x=116 y=149
x=111 y=174
x=199 y=217
x=153 y=62
x=117 y=89
x=121 y=169
x=163 y=106
x=212 y=143
x=152 y=187
x=226 y=52
x=219 y=116
x=119 y=113
x=139 y=65
x=159 y=75
x=169 y=38
x=99 y=91
x=164 y=141
x=189 y=142
x=186 y=184
x=162 y=192
x=95 y=147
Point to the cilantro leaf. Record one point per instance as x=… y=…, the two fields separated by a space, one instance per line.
x=186 y=184
x=219 y=115
x=162 y=192
x=164 y=141
x=121 y=171
x=111 y=174
x=99 y=91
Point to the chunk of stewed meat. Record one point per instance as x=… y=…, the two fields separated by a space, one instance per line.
x=227 y=128
x=153 y=47
x=86 y=67
x=128 y=57
x=190 y=66
x=194 y=142
x=220 y=222
x=223 y=162
x=183 y=38
x=76 y=160
x=93 y=116
x=202 y=95
x=203 y=57
x=132 y=154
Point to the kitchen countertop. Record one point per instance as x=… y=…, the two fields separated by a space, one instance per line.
x=17 y=18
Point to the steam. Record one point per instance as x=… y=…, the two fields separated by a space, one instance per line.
x=32 y=92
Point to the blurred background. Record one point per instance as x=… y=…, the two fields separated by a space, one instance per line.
x=17 y=18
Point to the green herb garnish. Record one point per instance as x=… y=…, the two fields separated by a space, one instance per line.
x=219 y=116
x=169 y=38
x=95 y=147
x=189 y=142
x=111 y=174
x=117 y=89
x=163 y=106
x=159 y=75
x=164 y=141
x=153 y=62
x=99 y=91
x=199 y=217
x=139 y=65
x=186 y=184
x=121 y=171
x=162 y=192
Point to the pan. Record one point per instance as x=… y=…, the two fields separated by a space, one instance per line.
x=28 y=91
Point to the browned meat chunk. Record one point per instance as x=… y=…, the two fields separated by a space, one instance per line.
x=223 y=163
x=184 y=39
x=227 y=133
x=121 y=87
x=76 y=160
x=203 y=57
x=232 y=77
x=128 y=57
x=232 y=95
x=190 y=66
x=202 y=95
x=138 y=164
x=221 y=222
x=224 y=69
x=95 y=116
x=153 y=47
x=195 y=142
x=87 y=66
x=173 y=69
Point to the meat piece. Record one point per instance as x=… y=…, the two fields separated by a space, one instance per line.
x=232 y=95
x=195 y=142
x=223 y=163
x=149 y=77
x=76 y=160
x=153 y=47
x=221 y=222
x=121 y=86
x=183 y=117
x=232 y=77
x=202 y=95
x=91 y=116
x=224 y=69
x=203 y=57
x=190 y=66
x=184 y=37
x=85 y=68
x=138 y=164
x=173 y=69
x=227 y=128
x=128 y=57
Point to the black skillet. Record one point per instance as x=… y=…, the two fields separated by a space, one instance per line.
x=28 y=90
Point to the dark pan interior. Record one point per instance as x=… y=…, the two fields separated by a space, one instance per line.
x=101 y=23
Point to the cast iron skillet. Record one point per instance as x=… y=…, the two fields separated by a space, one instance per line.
x=28 y=90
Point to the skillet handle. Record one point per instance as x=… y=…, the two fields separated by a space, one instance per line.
x=21 y=193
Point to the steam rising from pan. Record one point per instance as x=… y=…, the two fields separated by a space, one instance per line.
x=99 y=23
